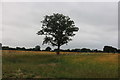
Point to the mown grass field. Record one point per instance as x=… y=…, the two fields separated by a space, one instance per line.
x=31 y=64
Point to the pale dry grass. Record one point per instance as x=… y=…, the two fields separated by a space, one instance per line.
x=15 y=52
x=4 y=52
x=112 y=58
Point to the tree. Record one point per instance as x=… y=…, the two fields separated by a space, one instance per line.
x=37 y=48
x=58 y=30
x=48 y=49
x=0 y=46
x=118 y=50
x=85 y=50
x=109 y=49
x=5 y=48
x=75 y=50
x=18 y=48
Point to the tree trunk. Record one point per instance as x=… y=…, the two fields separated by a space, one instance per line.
x=58 y=50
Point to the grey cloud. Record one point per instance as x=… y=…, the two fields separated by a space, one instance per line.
x=97 y=23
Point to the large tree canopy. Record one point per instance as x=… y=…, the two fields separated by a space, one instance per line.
x=58 y=30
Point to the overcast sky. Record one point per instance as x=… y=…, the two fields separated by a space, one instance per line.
x=97 y=22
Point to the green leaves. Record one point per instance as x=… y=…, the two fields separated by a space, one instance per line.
x=58 y=29
x=40 y=32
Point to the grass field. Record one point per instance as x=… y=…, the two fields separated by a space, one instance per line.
x=31 y=64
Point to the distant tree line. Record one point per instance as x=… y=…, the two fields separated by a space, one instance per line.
x=107 y=49
x=37 y=48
